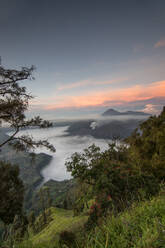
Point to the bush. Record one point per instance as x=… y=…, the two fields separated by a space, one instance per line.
x=67 y=238
x=114 y=183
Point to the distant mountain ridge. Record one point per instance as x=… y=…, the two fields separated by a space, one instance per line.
x=113 y=112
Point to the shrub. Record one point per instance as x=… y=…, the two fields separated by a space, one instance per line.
x=67 y=238
x=113 y=182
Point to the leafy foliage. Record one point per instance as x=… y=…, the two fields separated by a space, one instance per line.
x=141 y=226
x=11 y=192
x=19 y=227
x=113 y=181
x=14 y=101
x=147 y=146
x=123 y=173
x=116 y=179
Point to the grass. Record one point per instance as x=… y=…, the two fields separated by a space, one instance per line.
x=49 y=236
x=142 y=226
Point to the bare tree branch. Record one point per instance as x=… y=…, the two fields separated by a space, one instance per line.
x=10 y=138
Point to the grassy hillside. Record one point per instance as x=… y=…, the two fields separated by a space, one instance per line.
x=59 y=192
x=61 y=220
x=142 y=226
x=129 y=198
x=30 y=173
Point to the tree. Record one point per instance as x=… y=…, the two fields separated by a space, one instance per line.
x=14 y=101
x=113 y=182
x=31 y=220
x=11 y=192
x=147 y=146
x=45 y=202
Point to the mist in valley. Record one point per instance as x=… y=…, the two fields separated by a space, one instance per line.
x=66 y=143
x=65 y=147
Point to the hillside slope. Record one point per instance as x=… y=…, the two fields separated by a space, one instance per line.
x=107 y=130
x=142 y=226
x=61 y=220
x=30 y=170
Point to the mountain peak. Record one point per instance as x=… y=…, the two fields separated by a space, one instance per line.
x=112 y=112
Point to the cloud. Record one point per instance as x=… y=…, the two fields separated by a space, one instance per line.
x=90 y=83
x=151 y=108
x=107 y=97
x=160 y=43
x=74 y=85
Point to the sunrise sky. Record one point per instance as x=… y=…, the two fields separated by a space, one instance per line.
x=90 y=55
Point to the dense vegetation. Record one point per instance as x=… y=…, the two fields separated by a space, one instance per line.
x=124 y=173
x=14 y=102
x=117 y=197
x=12 y=191
x=141 y=226
x=99 y=210
x=29 y=169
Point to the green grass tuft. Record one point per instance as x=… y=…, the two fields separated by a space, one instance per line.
x=143 y=226
x=61 y=220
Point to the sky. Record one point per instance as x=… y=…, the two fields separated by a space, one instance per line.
x=90 y=55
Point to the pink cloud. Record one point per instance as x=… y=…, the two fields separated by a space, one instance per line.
x=124 y=95
x=90 y=83
x=160 y=43
x=151 y=108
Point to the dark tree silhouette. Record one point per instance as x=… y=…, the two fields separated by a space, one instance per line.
x=14 y=101
x=11 y=192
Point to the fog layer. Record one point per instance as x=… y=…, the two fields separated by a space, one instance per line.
x=65 y=147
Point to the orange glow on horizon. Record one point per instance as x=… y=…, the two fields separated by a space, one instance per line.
x=118 y=96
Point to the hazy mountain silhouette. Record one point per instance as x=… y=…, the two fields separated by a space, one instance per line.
x=113 y=112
